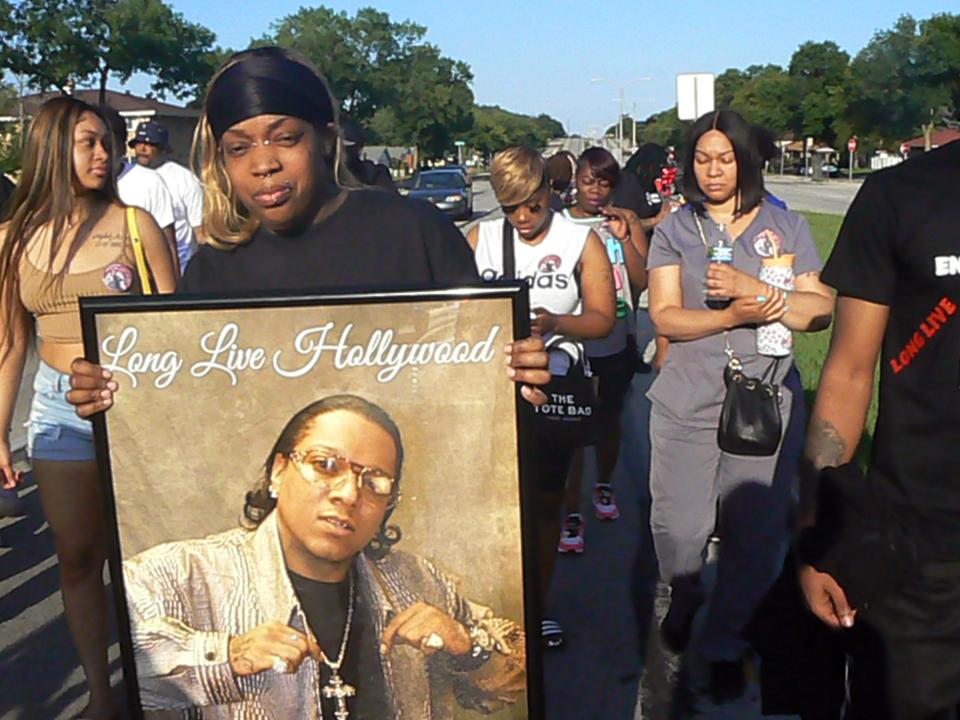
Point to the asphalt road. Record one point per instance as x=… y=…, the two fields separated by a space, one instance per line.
x=830 y=196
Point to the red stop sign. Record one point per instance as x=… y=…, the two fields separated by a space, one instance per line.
x=852 y=144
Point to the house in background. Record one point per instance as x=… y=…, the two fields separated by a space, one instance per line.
x=393 y=156
x=180 y=121
x=917 y=145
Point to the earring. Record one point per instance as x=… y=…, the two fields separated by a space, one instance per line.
x=274 y=493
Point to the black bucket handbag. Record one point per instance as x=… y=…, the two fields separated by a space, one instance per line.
x=750 y=422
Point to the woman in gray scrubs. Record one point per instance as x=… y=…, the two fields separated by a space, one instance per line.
x=696 y=487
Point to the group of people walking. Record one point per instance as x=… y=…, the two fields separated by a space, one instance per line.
x=600 y=250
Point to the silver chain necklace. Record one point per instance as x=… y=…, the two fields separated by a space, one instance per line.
x=336 y=689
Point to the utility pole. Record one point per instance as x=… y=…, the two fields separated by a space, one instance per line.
x=620 y=130
x=633 y=144
x=620 y=134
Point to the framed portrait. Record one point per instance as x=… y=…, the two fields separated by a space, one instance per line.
x=318 y=505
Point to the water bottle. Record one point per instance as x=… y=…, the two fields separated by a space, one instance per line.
x=719 y=251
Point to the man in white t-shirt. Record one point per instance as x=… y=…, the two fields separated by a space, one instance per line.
x=152 y=146
x=139 y=186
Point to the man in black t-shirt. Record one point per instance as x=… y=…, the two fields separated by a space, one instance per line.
x=892 y=570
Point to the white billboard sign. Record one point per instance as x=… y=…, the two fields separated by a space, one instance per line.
x=694 y=95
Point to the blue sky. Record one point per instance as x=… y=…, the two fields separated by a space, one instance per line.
x=537 y=57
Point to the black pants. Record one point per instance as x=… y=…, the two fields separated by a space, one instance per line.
x=905 y=650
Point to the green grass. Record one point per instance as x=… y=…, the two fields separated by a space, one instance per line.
x=810 y=349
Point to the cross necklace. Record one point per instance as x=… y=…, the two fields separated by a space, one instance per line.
x=336 y=689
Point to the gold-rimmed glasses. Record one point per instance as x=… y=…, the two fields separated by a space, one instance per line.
x=326 y=468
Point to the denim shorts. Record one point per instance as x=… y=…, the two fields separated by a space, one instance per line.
x=54 y=430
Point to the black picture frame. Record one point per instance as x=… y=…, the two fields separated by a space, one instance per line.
x=168 y=307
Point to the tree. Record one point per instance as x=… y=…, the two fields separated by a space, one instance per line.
x=374 y=64
x=495 y=128
x=360 y=56
x=938 y=64
x=663 y=128
x=626 y=128
x=434 y=102
x=59 y=44
x=10 y=145
x=906 y=79
x=9 y=98
x=769 y=99
x=821 y=72
x=149 y=36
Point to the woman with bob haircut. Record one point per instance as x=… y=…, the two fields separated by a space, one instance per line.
x=65 y=236
x=279 y=214
x=320 y=617
x=690 y=476
x=571 y=298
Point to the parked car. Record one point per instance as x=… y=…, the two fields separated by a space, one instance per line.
x=445 y=188
x=467 y=173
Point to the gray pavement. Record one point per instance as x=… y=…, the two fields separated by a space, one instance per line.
x=829 y=196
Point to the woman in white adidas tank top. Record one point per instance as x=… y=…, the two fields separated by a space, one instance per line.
x=565 y=265
x=571 y=296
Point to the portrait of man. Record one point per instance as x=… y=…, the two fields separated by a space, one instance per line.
x=309 y=610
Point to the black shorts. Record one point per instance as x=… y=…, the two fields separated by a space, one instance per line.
x=553 y=464
x=615 y=373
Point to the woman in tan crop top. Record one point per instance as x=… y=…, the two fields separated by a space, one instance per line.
x=65 y=236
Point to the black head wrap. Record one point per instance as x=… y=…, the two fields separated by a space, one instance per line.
x=267 y=84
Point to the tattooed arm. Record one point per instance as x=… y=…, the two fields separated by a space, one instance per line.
x=843 y=398
x=839 y=416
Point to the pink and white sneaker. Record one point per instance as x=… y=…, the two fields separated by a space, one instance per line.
x=604 y=503
x=571 y=535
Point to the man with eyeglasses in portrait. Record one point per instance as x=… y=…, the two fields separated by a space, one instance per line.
x=308 y=612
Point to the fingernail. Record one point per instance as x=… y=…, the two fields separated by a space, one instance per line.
x=106 y=374
x=112 y=385
x=846 y=621
x=105 y=394
x=511 y=372
x=508 y=348
x=108 y=402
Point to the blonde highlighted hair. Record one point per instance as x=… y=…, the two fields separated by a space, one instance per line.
x=226 y=222
x=517 y=172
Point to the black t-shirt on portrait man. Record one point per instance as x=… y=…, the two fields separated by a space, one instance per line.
x=900 y=246
x=374 y=240
x=326 y=607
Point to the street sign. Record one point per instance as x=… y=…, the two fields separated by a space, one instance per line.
x=459 y=143
x=904 y=149
x=852 y=147
x=694 y=95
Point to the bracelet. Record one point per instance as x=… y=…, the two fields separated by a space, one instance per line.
x=481 y=650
